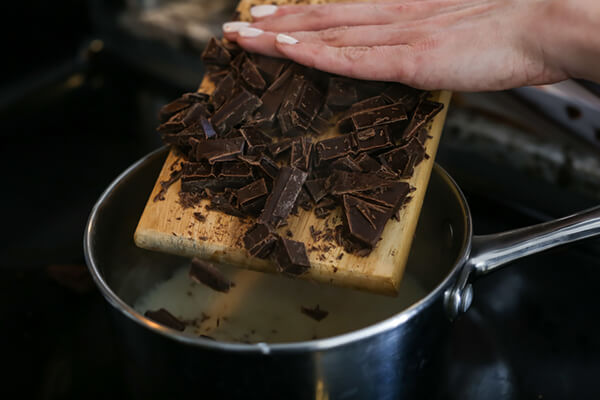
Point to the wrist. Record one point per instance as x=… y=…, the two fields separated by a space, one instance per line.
x=569 y=37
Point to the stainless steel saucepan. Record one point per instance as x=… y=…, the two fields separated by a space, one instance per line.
x=387 y=359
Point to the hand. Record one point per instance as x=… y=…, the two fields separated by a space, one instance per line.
x=467 y=45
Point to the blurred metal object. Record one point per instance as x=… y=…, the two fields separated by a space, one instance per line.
x=570 y=104
x=175 y=22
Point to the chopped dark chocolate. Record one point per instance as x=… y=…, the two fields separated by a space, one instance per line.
x=336 y=147
x=273 y=97
x=216 y=150
x=292 y=257
x=251 y=192
x=315 y=313
x=379 y=116
x=216 y=53
x=207 y=273
x=373 y=139
x=259 y=240
x=224 y=90
x=267 y=107
x=269 y=67
x=300 y=156
x=350 y=182
x=281 y=200
x=346 y=164
x=341 y=93
x=317 y=188
x=255 y=136
x=364 y=221
x=367 y=163
x=235 y=111
x=250 y=75
x=424 y=113
x=165 y=318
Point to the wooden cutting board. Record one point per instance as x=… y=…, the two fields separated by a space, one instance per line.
x=166 y=226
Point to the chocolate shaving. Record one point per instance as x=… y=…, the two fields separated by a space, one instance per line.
x=165 y=318
x=208 y=274
x=315 y=313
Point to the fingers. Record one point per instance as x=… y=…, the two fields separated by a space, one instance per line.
x=256 y=41
x=366 y=35
x=324 y=16
x=385 y=63
x=328 y=15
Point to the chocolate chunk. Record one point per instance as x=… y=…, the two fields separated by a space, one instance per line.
x=292 y=257
x=317 y=188
x=224 y=90
x=303 y=201
x=396 y=159
x=367 y=163
x=315 y=313
x=197 y=176
x=286 y=188
x=172 y=108
x=224 y=203
x=259 y=240
x=215 y=53
x=270 y=67
x=345 y=123
x=424 y=113
x=281 y=146
x=373 y=139
x=416 y=153
x=399 y=93
x=346 y=164
x=365 y=221
x=299 y=107
x=183 y=119
x=208 y=274
x=251 y=192
x=250 y=75
x=235 y=173
x=341 y=93
x=273 y=97
x=349 y=182
x=234 y=111
x=336 y=147
x=255 y=136
x=165 y=318
x=379 y=116
x=300 y=156
x=391 y=195
x=217 y=150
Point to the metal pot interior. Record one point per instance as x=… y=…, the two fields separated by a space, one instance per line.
x=261 y=307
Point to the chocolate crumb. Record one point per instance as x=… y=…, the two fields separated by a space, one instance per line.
x=315 y=313
x=165 y=318
x=199 y=216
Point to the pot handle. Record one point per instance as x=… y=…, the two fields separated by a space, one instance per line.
x=491 y=252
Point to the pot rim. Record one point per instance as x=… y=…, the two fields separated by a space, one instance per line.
x=380 y=327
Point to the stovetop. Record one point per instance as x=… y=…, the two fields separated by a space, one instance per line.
x=531 y=333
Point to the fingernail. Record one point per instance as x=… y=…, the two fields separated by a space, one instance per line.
x=230 y=27
x=250 y=32
x=281 y=38
x=263 y=11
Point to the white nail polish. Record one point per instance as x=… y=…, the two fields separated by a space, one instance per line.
x=230 y=27
x=281 y=38
x=250 y=32
x=263 y=10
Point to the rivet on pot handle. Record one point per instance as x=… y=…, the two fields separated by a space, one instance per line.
x=490 y=252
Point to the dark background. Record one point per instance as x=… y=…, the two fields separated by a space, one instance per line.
x=78 y=104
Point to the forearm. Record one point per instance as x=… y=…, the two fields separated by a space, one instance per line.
x=570 y=37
